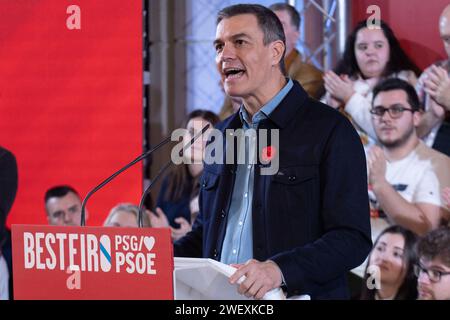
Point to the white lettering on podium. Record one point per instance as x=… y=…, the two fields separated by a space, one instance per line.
x=49 y=251
x=92 y=252
x=140 y=263
x=28 y=250
x=83 y=252
x=61 y=237
x=39 y=250
x=127 y=243
x=50 y=262
x=72 y=250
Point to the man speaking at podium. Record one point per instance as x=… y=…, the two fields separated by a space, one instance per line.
x=307 y=224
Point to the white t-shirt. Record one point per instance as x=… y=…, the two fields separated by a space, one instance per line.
x=414 y=179
x=4 y=279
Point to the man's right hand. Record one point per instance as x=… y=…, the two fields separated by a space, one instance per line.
x=261 y=277
x=437 y=85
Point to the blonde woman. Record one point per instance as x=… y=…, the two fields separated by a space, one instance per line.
x=126 y=215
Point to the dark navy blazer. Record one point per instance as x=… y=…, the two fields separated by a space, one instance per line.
x=312 y=217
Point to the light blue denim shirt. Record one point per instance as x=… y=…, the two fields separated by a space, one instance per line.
x=238 y=241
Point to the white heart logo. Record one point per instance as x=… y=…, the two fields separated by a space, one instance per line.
x=149 y=243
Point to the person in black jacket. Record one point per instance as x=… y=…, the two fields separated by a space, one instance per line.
x=8 y=190
x=304 y=225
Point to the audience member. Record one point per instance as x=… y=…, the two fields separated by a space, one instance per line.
x=433 y=88
x=389 y=274
x=401 y=184
x=63 y=206
x=181 y=185
x=433 y=269
x=370 y=56
x=439 y=86
x=8 y=190
x=306 y=74
x=126 y=215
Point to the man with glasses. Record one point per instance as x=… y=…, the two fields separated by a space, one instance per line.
x=433 y=269
x=402 y=185
x=63 y=206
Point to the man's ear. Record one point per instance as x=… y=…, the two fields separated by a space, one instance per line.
x=47 y=215
x=277 y=50
x=417 y=117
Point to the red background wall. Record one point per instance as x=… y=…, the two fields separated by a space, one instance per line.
x=71 y=100
x=415 y=23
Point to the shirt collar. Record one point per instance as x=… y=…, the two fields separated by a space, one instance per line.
x=266 y=109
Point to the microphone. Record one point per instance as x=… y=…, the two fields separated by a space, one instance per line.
x=115 y=174
x=161 y=171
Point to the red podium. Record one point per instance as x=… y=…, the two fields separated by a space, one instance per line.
x=91 y=263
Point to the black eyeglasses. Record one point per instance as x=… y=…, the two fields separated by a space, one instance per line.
x=395 y=111
x=433 y=275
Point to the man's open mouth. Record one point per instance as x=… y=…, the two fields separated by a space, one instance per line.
x=233 y=73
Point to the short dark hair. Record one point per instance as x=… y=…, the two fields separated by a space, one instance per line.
x=292 y=12
x=207 y=115
x=267 y=20
x=59 y=192
x=399 y=84
x=436 y=244
x=398 y=59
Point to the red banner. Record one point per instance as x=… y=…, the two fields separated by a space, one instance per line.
x=71 y=99
x=67 y=263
